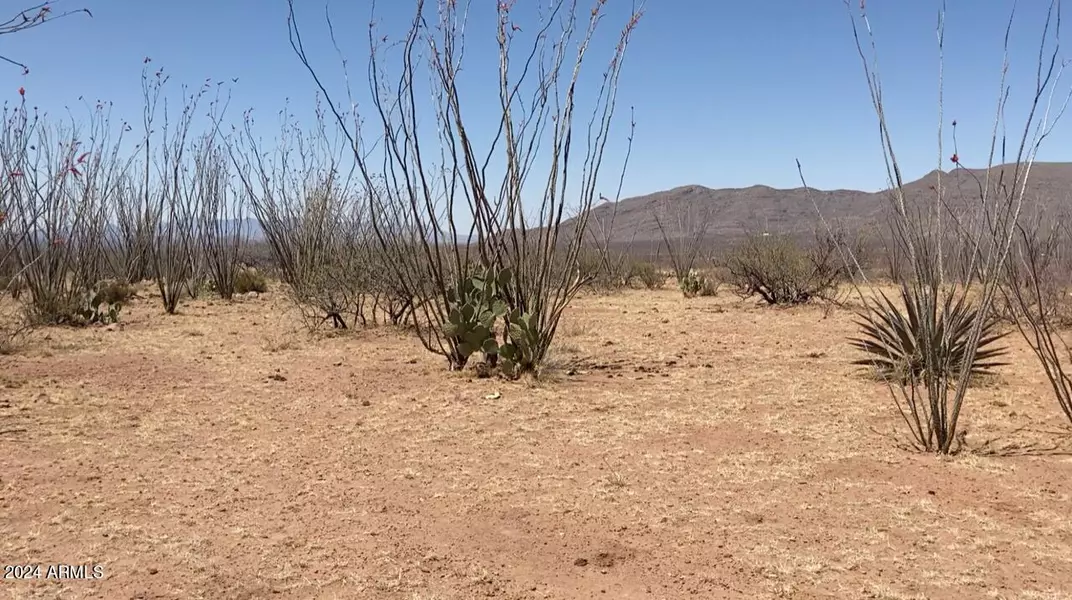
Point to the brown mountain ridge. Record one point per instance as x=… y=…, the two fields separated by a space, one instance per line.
x=736 y=211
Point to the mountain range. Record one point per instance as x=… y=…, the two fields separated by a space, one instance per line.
x=734 y=212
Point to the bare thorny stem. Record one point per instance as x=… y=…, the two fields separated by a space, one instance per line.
x=414 y=192
x=613 y=263
x=32 y=17
x=176 y=201
x=684 y=239
x=57 y=182
x=305 y=203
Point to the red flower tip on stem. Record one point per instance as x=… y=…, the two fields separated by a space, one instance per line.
x=14 y=174
x=22 y=91
x=82 y=159
x=75 y=171
x=955 y=158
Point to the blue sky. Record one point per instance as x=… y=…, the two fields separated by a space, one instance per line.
x=726 y=94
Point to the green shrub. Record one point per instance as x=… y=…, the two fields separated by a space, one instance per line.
x=601 y=273
x=249 y=280
x=648 y=274
x=695 y=283
x=115 y=292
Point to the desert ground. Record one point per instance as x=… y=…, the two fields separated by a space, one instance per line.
x=703 y=448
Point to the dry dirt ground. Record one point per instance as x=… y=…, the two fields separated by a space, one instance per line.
x=708 y=448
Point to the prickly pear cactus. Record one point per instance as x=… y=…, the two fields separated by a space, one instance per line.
x=692 y=283
x=475 y=306
x=518 y=353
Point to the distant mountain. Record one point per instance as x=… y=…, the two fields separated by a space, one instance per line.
x=733 y=212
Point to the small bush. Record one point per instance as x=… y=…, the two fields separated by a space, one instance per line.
x=54 y=310
x=603 y=273
x=96 y=309
x=709 y=286
x=649 y=275
x=250 y=280
x=116 y=292
x=15 y=325
x=695 y=283
x=12 y=285
x=780 y=271
x=100 y=304
x=12 y=335
x=194 y=286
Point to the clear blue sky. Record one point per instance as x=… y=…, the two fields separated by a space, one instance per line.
x=727 y=94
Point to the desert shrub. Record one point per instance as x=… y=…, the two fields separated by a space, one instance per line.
x=683 y=233
x=130 y=238
x=222 y=224
x=956 y=240
x=391 y=299
x=12 y=285
x=588 y=265
x=780 y=271
x=14 y=324
x=410 y=209
x=647 y=274
x=1050 y=300
x=97 y=309
x=14 y=328
x=313 y=219
x=115 y=292
x=96 y=305
x=696 y=283
x=709 y=285
x=59 y=218
x=197 y=281
x=249 y=279
x=1036 y=281
x=902 y=350
x=600 y=271
x=192 y=175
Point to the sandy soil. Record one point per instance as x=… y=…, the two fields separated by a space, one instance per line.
x=707 y=448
